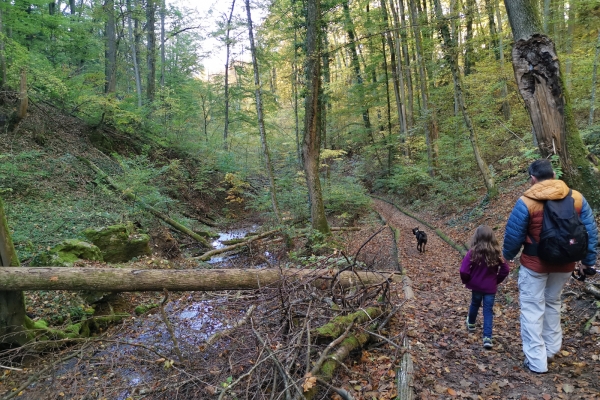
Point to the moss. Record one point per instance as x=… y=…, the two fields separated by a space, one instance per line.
x=144 y=308
x=119 y=243
x=338 y=325
x=66 y=253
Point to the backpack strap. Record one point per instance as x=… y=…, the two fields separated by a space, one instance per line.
x=531 y=249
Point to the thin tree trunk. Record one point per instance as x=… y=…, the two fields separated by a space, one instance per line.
x=163 y=12
x=110 y=55
x=423 y=83
x=538 y=76
x=151 y=46
x=450 y=53
x=410 y=114
x=23 y=97
x=261 y=122
x=295 y=94
x=136 y=67
x=312 y=139
x=398 y=82
x=325 y=104
x=569 y=44
x=12 y=301
x=490 y=7
x=504 y=90
x=2 y=54
x=228 y=49
x=468 y=57
x=594 y=81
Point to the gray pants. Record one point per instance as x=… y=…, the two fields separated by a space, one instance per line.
x=539 y=297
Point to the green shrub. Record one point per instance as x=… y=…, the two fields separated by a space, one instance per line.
x=409 y=182
x=345 y=197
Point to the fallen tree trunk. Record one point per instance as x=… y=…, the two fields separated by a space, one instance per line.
x=338 y=325
x=207 y=256
x=132 y=280
x=593 y=290
x=131 y=196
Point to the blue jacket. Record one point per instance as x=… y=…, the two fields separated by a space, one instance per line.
x=526 y=219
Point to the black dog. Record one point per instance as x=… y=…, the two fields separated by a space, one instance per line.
x=421 y=239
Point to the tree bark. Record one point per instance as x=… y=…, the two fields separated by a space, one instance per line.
x=490 y=7
x=136 y=67
x=450 y=52
x=261 y=122
x=140 y=280
x=227 y=54
x=504 y=90
x=410 y=115
x=12 y=301
x=151 y=47
x=538 y=76
x=110 y=53
x=468 y=57
x=163 y=59
x=2 y=54
x=423 y=85
x=23 y=97
x=312 y=139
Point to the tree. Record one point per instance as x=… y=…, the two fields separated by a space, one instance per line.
x=151 y=46
x=540 y=82
x=110 y=57
x=261 y=121
x=12 y=303
x=227 y=54
x=450 y=52
x=311 y=145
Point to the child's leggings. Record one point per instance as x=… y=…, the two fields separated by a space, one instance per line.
x=488 y=310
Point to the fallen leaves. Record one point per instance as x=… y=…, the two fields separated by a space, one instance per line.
x=309 y=382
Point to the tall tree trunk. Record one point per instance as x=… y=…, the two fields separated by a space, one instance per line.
x=538 y=76
x=468 y=57
x=325 y=104
x=312 y=139
x=72 y=6
x=450 y=52
x=503 y=87
x=423 y=86
x=110 y=53
x=410 y=114
x=136 y=67
x=23 y=97
x=295 y=94
x=490 y=6
x=569 y=44
x=261 y=121
x=594 y=82
x=163 y=12
x=227 y=54
x=2 y=53
x=398 y=83
x=151 y=46
x=12 y=303
x=349 y=26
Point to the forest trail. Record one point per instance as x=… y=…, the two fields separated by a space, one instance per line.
x=451 y=363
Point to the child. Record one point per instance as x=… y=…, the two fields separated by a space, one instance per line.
x=482 y=269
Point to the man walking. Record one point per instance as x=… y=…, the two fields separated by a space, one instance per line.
x=541 y=282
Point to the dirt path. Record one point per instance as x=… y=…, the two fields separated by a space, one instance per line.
x=450 y=363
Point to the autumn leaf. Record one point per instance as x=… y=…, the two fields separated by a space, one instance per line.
x=451 y=392
x=546 y=396
x=53 y=278
x=309 y=382
x=567 y=388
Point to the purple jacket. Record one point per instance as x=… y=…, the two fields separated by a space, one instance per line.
x=480 y=278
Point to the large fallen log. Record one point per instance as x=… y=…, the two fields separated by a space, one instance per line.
x=139 y=280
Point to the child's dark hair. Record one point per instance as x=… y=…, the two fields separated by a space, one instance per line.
x=485 y=247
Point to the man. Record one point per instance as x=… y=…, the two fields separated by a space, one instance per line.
x=541 y=283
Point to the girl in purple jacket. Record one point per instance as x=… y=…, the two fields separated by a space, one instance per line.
x=482 y=269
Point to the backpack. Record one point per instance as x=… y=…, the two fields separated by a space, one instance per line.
x=564 y=238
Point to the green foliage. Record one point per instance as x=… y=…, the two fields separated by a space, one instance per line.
x=410 y=182
x=139 y=176
x=18 y=172
x=591 y=138
x=344 y=196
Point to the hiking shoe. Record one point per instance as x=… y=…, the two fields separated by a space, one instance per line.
x=487 y=342
x=470 y=327
x=528 y=368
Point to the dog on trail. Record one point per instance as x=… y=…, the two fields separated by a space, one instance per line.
x=421 y=239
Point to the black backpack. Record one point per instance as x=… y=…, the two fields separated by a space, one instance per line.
x=564 y=238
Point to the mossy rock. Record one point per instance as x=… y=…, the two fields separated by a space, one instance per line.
x=119 y=243
x=66 y=253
